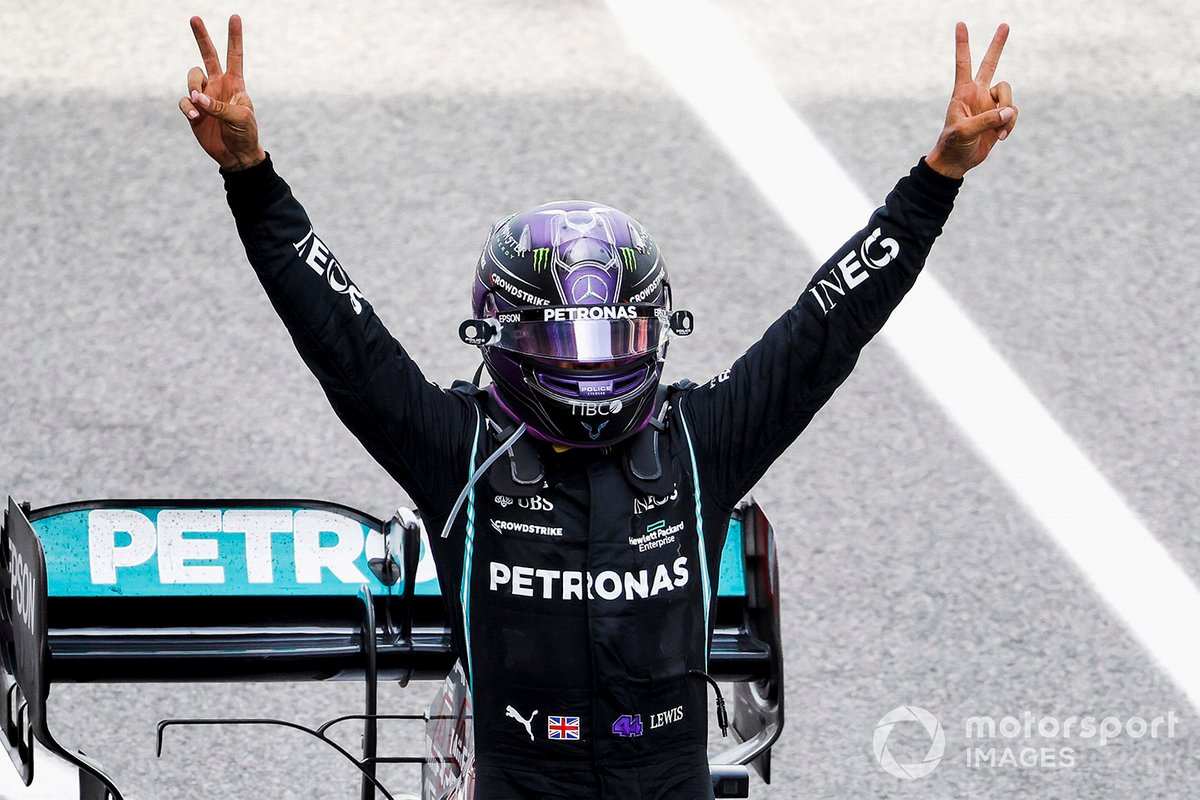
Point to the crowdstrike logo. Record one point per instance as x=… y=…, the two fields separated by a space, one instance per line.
x=649 y=289
x=937 y=743
x=515 y=291
x=507 y=526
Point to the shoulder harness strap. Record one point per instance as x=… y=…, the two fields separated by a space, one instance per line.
x=647 y=454
x=521 y=473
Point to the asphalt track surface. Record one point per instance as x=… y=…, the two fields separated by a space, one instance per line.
x=139 y=357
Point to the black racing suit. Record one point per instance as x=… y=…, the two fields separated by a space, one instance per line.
x=580 y=600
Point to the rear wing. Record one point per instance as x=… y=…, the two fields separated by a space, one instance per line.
x=156 y=590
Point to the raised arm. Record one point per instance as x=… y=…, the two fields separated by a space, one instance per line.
x=745 y=418
x=418 y=432
x=217 y=106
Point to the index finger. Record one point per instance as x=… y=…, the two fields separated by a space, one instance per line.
x=962 y=55
x=207 y=52
x=987 y=68
x=233 y=56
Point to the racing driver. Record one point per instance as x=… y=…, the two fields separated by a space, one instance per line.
x=575 y=505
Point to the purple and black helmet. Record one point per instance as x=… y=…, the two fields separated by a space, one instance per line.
x=572 y=312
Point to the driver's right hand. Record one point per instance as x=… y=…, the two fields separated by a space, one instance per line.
x=217 y=106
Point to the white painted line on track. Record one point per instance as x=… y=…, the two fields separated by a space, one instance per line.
x=698 y=53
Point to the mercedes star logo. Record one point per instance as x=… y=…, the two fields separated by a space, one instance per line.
x=589 y=288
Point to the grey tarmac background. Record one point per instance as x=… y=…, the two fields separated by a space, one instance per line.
x=140 y=358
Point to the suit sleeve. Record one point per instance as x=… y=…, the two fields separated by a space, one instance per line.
x=747 y=416
x=419 y=433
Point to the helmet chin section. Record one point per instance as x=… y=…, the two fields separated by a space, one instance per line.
x=576 y=407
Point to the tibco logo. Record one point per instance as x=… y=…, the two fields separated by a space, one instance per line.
x=515 y=291
x=583 y=408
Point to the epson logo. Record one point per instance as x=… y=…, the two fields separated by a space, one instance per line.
x=21 y=593
x=255 y=546
x=589 y=312
x=555 y=584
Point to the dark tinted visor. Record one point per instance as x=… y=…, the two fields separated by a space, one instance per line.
x=586 y=334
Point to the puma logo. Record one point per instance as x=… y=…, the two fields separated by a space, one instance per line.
x=509 y=711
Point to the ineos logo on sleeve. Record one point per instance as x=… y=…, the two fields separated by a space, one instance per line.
x=320 y=258
x=891 y=249
x=852 y=269
x=720 y=378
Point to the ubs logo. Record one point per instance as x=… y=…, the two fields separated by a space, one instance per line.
x=535 y=503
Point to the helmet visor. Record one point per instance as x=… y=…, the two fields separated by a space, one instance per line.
x=584 y=334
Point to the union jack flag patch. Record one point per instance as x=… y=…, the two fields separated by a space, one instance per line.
x=563 y=727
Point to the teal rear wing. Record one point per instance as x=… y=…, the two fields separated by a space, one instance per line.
x=155 y=590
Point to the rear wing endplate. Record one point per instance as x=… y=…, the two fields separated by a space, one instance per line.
x=25 y=652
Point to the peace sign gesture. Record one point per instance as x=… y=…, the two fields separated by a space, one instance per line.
x=980 y=115
x=217 y=106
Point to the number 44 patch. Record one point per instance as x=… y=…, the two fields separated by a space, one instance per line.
x=628 y=726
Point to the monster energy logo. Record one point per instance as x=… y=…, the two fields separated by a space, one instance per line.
x=629 y=256
x=541 y=258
